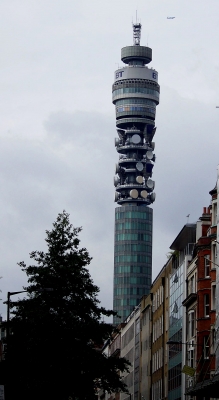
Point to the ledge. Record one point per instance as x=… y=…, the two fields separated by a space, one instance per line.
x=189 y=299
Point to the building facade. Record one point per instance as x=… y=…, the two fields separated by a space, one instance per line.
x=146 y=346
x=216 y=204
x=112 y=348
x=160 y=332
x=201 y=308
x=135 y=94
x=130 y=349
x=183 y=249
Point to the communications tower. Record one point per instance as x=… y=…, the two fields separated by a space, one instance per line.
x=135 y=93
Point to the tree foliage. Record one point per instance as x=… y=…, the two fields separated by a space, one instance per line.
x=57 y=330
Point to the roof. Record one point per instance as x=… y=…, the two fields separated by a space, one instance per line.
x=186 y=235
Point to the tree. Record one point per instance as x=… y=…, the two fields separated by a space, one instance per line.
x=56 y=332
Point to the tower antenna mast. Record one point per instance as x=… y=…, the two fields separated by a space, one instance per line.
x=136 y=32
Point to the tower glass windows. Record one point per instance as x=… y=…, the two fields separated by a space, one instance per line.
x=133 y=257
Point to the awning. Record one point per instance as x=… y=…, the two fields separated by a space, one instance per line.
x=209 y=387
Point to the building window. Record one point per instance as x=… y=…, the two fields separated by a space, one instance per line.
x=207 y=265
x=191 y=327
x=167 y=286
x=215 y=252
x=167 y=320
x=191 y=357
x=191 y=286
x=213 y=337
x=214 y=214
x=213 y=293
x=137 y=326
x=161 y=295
x=206 y=305
x=153 y=302
x=206 y=346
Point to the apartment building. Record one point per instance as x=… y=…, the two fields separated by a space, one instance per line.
x=154 y=336
x=200 y=307
x=130 y=349
x=146 y=346
x=182 y=246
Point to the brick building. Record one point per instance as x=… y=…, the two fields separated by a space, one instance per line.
x=200 y=306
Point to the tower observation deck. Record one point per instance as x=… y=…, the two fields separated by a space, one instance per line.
x=135 y=94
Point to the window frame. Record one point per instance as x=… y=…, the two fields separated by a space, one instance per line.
x=207 y=265
x=206 y=347
x=213 y=296
x=206 y=305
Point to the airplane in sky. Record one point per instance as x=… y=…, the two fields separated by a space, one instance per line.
x=171 y=17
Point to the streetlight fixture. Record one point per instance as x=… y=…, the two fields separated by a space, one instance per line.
x=175 y=342
x=178 y=342
x=9 y=294
x=211 y=260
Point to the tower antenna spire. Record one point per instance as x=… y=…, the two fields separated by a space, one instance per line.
x=136 y=32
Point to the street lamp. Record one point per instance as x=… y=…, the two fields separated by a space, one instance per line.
x=175 y=342
x=178 y=342
x=9 y=294
x=8 y=305
x=211 y=260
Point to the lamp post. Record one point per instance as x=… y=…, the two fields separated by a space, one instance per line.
x=175 y=342
x=179 y=342
x=9 y=294
x=211 y=260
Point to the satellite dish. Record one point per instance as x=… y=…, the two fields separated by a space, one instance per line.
x=133 y=193
x=149 y=155
x=139 y=179
x=153 y=197
x=136 y=139
x=116 y=180
x=117 y=196
x=139 y=166
x=117 y=168
x=144 y=194
x=150 y=184
x=117 y=141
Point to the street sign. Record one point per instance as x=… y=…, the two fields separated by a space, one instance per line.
x=188 y=370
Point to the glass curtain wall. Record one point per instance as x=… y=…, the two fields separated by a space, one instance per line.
x=175 y=334
x=133 y=257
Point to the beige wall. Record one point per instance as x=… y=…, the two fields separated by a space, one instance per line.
x=155 y=332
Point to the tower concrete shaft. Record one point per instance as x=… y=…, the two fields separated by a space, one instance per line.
x=135 y=93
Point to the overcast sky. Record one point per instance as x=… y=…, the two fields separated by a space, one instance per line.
x=57 y=125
